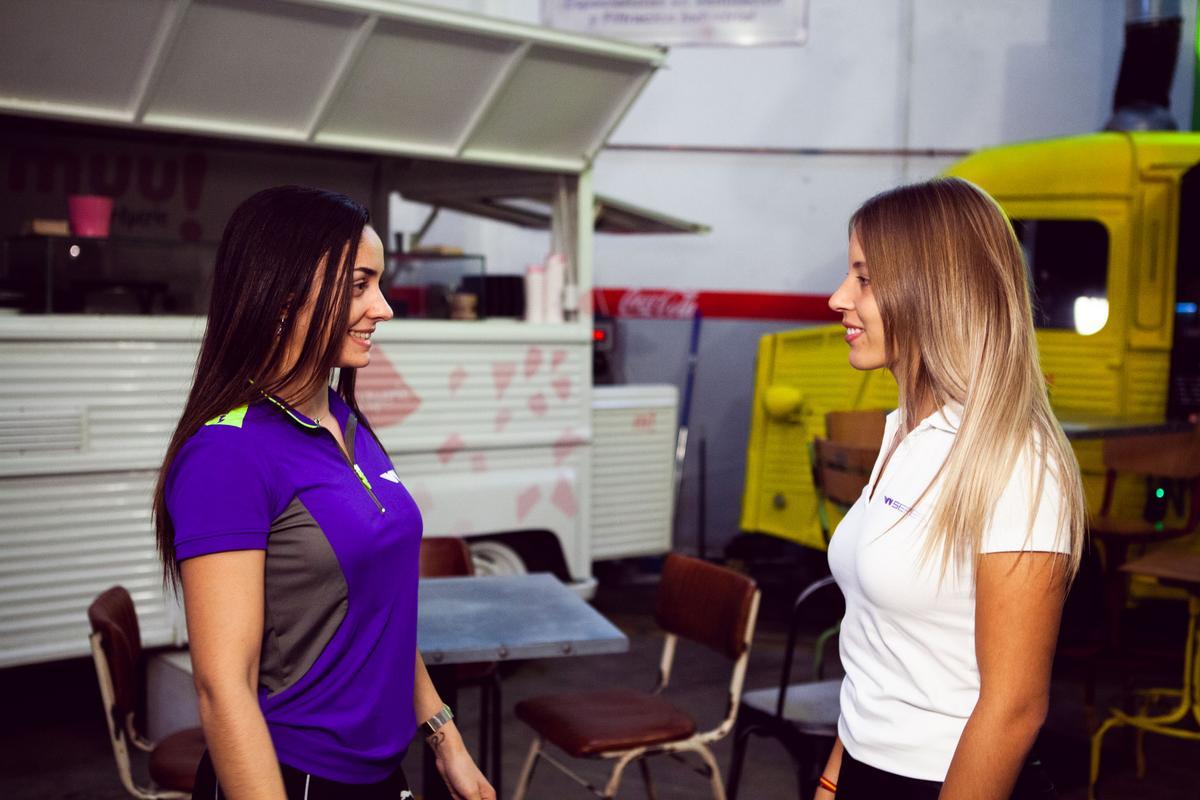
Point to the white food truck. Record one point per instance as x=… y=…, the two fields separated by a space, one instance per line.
x=494 y=425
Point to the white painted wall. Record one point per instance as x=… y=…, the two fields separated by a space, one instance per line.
x=876 y=74
x=880 y=74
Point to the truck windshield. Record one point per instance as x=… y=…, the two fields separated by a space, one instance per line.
x=1068 y=272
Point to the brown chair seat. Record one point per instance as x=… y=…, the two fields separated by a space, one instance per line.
x=589 y=723
x=173 y=762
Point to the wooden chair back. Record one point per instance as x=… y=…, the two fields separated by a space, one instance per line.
x=445 y=557
x=114 y=618
x=1173 y=455
x=841 y=470
x=707 y=604
x=1165 y=455
x=862 y=428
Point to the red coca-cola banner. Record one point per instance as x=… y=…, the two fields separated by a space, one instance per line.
x=673 y=304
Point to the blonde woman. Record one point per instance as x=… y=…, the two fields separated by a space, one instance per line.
x=956 y=559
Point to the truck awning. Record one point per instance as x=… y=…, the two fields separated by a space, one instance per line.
x=612 y=216
x=376 y=76
x=521 y=198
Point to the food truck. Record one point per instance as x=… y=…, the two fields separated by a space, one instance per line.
x=1110 y=226
x=493 y=424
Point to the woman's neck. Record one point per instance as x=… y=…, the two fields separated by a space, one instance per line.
x=923 y=405
x=314 y=405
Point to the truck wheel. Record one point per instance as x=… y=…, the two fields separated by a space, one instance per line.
x=496 y=558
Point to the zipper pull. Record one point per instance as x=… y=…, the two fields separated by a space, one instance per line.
x=361 y=477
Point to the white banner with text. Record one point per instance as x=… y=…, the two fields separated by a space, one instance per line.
x=684 y=22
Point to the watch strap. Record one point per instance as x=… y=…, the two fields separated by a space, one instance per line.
x=435 y=723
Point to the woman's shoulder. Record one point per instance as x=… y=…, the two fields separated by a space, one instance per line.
x=227 y=439
x=1028 y=512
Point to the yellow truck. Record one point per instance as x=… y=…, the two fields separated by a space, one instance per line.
x=1110 y=225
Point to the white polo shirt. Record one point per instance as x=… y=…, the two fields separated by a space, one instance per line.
x=907 y=642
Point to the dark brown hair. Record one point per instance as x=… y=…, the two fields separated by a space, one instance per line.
x=281 y=248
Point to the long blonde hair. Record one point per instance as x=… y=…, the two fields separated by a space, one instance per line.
x=949 y=276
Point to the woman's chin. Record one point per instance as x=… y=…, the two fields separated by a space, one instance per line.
x=865 y=363
x=354 y=360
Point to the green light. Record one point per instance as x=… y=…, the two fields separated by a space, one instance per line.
x=1159 y=493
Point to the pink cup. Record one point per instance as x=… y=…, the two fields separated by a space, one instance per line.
x=90 y=215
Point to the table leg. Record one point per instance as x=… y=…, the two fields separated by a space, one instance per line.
x=445 y=681
x=1116 y=589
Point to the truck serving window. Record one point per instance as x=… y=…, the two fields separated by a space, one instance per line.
x=1068 y=272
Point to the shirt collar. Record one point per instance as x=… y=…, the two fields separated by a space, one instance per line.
x=337 y=407
x=948 y=418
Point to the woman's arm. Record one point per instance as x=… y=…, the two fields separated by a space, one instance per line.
x=833 y=768
x=463 y=778
x=223 y=595
x=1018 y=605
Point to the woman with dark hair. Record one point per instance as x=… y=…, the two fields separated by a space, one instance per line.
x=955 y=560
x=295 y=542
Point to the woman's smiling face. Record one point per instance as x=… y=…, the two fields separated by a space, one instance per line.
x=860 y=313
x=368 y=307
x=367 y=303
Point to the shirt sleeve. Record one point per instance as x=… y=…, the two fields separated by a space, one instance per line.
x=1010 y=530
x=218 y=496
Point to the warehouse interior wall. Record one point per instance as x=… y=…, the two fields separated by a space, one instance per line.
x=776 y=146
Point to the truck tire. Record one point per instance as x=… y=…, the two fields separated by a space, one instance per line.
x=496 y=558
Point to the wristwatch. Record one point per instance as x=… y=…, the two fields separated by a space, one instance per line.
x=437 y=721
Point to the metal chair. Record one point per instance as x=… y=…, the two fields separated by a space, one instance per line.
x=1162 y=455
x=1172 y=456
x=447 y=557
x=1173 y=711
x=698 y=601
x=120 y=668
x=802 y=716
x=841 y=468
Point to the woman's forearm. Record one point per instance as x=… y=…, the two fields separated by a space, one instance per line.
x=240 y=744
x=833 y=769
x=426 y=703
x=992 y=750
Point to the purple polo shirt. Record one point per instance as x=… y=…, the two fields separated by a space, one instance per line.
x=342 y=539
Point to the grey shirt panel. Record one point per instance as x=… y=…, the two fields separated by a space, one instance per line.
x=306 y=597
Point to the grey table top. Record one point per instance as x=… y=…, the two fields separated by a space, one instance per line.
x=1096 y=426
x=508 y=617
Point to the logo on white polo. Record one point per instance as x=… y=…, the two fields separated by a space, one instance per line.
x=390 y=475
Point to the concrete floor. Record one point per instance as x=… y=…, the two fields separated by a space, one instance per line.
x=53 y=743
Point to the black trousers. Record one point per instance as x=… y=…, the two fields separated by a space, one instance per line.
x=302 y=786
x=858 y=781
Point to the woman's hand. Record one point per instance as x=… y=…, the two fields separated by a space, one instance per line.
x=457 y=768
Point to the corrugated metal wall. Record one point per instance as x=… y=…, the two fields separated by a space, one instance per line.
x=632 y=467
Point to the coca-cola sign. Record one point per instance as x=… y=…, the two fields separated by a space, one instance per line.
x=657 y=304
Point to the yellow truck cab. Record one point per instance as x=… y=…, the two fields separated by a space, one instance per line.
x=1110 y=225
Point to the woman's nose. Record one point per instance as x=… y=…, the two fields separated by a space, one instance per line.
x=381 y=310
x=839 y=301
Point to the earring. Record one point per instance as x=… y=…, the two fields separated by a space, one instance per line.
x=279 y=328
